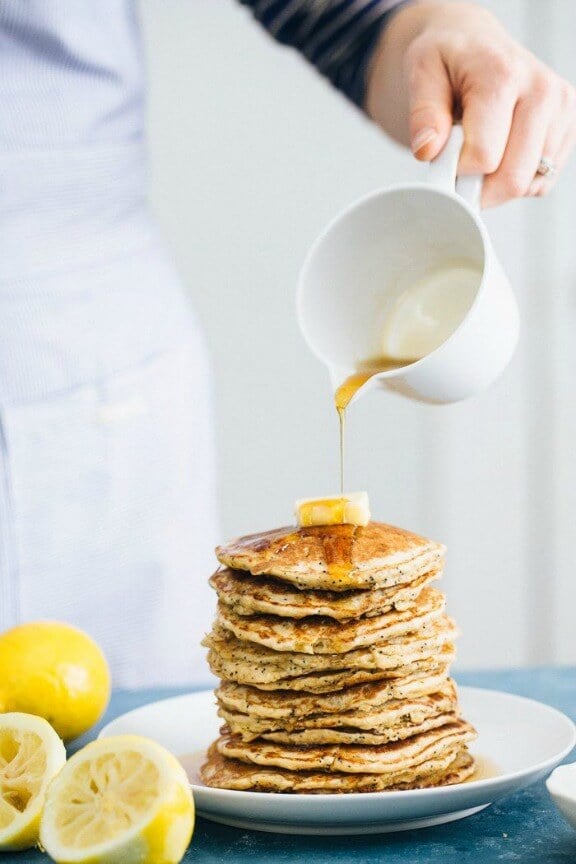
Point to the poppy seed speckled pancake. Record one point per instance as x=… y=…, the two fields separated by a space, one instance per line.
x=327 y=682
x=335 y=557
x=380 y=759
x=350 y=735
x=249 y=663
x=327 y=636
x=395 y=719
x=285 y=705
x=391 y=713
x=248 y=595
x=219 y=772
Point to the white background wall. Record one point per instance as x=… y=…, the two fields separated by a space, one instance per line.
x=252 y=154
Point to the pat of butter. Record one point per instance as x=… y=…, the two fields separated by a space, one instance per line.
x=350 y=509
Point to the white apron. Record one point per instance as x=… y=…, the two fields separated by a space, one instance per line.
x=107 y=492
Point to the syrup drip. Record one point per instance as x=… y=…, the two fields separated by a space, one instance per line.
x=338 y=551
x=350 y=386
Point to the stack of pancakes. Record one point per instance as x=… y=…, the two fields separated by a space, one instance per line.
x=334 y=650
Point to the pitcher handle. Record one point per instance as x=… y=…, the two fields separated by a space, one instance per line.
x=442 y=172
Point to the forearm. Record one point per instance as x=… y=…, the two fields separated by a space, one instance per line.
x=337 y=36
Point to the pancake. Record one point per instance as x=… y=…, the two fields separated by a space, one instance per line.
x=249 y=595
x=248 y=663
x=396 y=720
x=349 y=758
x=335 y=557
x=290 y=706
x=390 y=715
x=375 y=738
x=222 y=773
x=326 y=682
x=349 y=735
x=327 y=636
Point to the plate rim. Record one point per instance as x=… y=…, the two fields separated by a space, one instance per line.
x=341 y=829
x=421 y=794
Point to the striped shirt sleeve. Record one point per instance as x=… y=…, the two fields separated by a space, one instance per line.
x=336 y=36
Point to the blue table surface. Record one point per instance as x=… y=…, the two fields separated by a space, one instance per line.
x=524 y=827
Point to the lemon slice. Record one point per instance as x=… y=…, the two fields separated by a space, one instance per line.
x=31 y=753
x=121 y=799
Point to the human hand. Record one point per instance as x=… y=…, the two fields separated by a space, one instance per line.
x=440 y=60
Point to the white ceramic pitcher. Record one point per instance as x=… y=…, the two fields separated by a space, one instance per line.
x=381 y=245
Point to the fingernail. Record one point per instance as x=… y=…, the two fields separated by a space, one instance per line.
x=423 y=137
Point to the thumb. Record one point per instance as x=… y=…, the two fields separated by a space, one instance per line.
x=430 y=102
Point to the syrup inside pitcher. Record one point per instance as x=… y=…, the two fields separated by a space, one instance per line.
x=426 y=314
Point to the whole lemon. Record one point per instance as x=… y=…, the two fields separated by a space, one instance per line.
x=55 y=671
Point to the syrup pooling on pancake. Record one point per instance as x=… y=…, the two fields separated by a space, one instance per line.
x=374 y=556
x=338 y=552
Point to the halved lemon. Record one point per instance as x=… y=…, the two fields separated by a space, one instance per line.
x=31 y=753
x=121 y=799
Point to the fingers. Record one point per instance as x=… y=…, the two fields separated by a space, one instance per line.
x=524 y=149
x=559 y=142
x=542 y=185
x=551 y=151
x=488 y=105
x=514 y=109
x=430 y=100
x=511 y=120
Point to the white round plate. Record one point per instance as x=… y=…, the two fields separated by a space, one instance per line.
x=522 y=738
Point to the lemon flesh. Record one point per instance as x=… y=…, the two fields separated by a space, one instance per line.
x=30 y=755
x=122 y=799
x=55 y=671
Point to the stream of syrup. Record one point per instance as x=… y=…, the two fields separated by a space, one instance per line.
x=350 y=386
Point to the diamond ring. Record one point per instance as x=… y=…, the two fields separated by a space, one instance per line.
x=546 y=167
